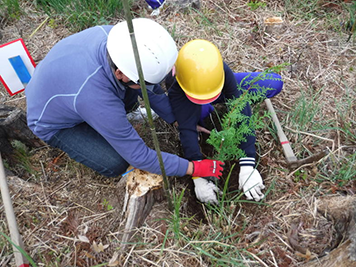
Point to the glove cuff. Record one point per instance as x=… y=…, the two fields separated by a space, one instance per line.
x=247 y=162
x=195 y=177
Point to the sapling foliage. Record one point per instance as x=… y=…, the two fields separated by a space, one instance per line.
x=236 y=126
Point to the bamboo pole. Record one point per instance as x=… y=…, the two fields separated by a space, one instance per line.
x=20 y=259
x=146 y=100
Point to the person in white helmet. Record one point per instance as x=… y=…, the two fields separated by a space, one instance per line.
x=80 y=93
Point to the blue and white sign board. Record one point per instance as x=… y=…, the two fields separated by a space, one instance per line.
x=16 y=66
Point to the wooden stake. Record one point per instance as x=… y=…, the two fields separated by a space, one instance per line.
x=146 y=100
x=20 y=259
x=287 y=149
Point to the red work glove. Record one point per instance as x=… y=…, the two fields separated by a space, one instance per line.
x=207 y=167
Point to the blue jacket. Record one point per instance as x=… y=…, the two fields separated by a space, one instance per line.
x=74 y=83
x=188 y=114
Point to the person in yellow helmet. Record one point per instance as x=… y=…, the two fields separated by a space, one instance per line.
x=202 y=78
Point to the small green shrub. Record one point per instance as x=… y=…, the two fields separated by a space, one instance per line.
x=235 y=125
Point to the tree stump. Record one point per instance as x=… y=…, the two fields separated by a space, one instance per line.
x=13 y=126
x=143 y=189
x=341 y=210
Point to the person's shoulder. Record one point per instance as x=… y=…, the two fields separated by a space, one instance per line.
x=104 y=28
x=97 y=30
x=171 y=83
x=226 y=67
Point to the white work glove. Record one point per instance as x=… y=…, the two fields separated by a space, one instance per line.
x=250 y=181
x=206 y=190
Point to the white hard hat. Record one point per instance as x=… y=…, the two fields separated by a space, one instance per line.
x=157 y=49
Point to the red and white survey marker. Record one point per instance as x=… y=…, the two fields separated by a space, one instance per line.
x=16 y=66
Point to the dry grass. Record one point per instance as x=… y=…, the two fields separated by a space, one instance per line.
x=62 y=209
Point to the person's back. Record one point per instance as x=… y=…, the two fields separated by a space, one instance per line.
x=74 y=64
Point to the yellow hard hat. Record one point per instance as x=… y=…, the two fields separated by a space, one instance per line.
x=200 y=71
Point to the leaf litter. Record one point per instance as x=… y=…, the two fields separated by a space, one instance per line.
x=62 y=211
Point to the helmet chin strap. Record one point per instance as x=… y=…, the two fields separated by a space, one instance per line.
x=128 y=84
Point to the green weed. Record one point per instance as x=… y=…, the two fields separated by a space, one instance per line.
x=106 y=205
x=339 y=172
x=313 y=9
x=175 y=221
x=214 y=242
x=79 y=15
x=306 y=109
x=347 y=171
x=350 y=25
x=253 y=5
x=30 y=260
x=302 y=9
x=4 y=244
x=346 y=115
x=22 y=155
x=202 y=18
x=10 y=9
x=300 y=175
